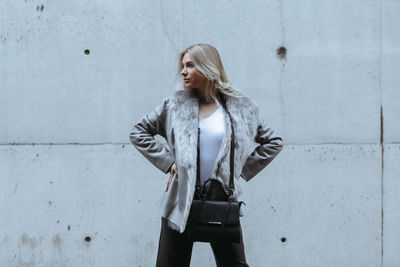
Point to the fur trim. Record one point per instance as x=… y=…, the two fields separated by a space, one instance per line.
x=173 y=226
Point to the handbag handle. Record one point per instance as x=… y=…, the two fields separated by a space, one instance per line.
x=203 y=190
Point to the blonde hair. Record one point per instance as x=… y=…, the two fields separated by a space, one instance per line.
x=207 y=60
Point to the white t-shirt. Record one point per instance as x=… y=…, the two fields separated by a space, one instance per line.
x=212 y=131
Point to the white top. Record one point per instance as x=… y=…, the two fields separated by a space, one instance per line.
x=212 y=131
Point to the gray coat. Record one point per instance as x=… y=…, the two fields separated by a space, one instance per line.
x=177 y=120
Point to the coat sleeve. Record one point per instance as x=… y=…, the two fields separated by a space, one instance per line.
x=269 y=147
x=142 y=137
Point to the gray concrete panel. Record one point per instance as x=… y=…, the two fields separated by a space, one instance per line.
x=390 y=70
x=391 y=200
x=324 y=199
x=330 y=76
x=52 y=197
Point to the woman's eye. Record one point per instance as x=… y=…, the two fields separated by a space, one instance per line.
x=190 y=65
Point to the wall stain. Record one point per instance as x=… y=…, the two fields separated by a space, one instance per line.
x=41 y=7
x=15 y=188
x=26 y=241
x=27 y=251
x=57 y=242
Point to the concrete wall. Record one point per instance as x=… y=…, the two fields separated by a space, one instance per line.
x=75 y=192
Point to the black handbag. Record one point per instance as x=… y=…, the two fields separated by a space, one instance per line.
x=214 y=214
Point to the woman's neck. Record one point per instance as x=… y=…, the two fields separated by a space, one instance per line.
x=203 y=100
x=200 y=93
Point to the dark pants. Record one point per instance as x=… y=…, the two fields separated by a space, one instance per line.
x=175 y=250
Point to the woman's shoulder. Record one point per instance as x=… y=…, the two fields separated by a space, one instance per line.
x=179 y=97
x=242 y=100
x=175 y=100
x=173 y=97
x=246 y=99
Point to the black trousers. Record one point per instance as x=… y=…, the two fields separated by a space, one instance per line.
x=175 y=250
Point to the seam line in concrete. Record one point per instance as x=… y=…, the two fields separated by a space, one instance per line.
x=382 y=142
x=99 y=144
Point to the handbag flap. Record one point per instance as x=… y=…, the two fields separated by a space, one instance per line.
x=212 y=212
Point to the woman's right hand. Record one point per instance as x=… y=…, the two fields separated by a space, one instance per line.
x=172 y=173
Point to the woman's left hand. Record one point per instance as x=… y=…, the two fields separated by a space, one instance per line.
x=173 y=172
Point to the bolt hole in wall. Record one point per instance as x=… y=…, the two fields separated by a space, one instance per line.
x=283 y=239
x=87 y=51
x=88 y=239
x=281 y=51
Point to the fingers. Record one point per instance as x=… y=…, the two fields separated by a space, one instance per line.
x=168 y=184
x=170 y=179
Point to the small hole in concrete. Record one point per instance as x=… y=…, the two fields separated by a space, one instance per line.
x=69 y=227
x=87 y=239
x=283 y=239
x=281 y=51
x=87 y=51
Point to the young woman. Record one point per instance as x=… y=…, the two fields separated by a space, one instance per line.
x=177 y=119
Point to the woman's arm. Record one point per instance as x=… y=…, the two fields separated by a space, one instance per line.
x=142 y=137
x=269 y=147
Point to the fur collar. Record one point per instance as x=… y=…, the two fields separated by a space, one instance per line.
x=185 y=123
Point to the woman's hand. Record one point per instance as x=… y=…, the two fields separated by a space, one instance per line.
x=172 y=172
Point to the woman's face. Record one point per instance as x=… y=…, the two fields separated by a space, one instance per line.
x=192 y=77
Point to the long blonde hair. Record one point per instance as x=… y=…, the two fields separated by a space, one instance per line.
x=207 y=60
